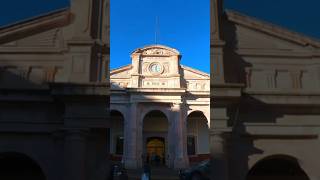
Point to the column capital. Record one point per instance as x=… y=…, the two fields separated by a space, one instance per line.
x=218 y=142
x=176 y=106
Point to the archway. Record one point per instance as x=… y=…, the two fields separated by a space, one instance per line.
x=155 y=149
x=16 y=166
x=278 y=167
x=155 y=138
x=197 y=137
x=116 y=135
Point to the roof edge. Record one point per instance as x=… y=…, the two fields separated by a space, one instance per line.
x=154 y=46
x=34 y=25
x=272 y=29
x=121 y=68
x=30 y=19
x=194 y=70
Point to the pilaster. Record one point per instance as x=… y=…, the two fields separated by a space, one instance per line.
x=219 y=132
x=130 y=149
x=135 y=76
x=181 y=157
x=217 y=44
x=219 y=160
x=75 y=154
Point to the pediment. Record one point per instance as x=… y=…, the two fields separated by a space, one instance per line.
x=252 y=33
x=190 y=73
x=50 y=39
x=40 y=31
x=121 y=73
x=157 y=50
x=251 y=39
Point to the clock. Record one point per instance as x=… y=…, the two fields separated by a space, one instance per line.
x=155 y=68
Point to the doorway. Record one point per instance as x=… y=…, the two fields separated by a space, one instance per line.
x=155 y=136
x=156 y=151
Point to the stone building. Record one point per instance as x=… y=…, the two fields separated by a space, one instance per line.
x=159 y=107
x=265 y=99
x=53 y=93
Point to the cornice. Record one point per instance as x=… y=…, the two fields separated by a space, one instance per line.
x=34 y=25
x=195 y=71
x=271 y=29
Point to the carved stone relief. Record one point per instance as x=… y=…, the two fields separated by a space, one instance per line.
x=166 y=68
x=197 y=86
x=145 y=66
x=158 y=52
x=154 y=83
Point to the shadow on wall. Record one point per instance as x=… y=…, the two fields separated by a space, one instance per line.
x=234 y=65
x=13 y=78
x=14 y=166
x=256 y=113
x=33 y=112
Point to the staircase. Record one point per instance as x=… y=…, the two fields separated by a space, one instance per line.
x=157 y=173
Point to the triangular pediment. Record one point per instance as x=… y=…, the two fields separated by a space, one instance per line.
x=191 y=73
x=252 y=33
x=40 y=31
x=47 y=39
x=123 y=72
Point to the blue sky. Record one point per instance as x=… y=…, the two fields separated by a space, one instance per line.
x=17 y=10
x=183 y=24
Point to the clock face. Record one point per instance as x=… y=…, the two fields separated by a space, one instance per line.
x=155 y=68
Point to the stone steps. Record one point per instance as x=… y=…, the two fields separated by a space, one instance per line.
x=157 y=173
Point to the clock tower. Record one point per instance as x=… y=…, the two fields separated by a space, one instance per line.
x=155 y=66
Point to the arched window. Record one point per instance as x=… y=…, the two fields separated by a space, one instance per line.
x=197 y=134
x=119 y=145
x=117 y=133
x=191 y=145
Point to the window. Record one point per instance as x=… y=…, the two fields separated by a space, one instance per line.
x=155 y=68
x=119 y=145
x=191 y=145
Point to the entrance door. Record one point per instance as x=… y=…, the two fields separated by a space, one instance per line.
x=156 y=151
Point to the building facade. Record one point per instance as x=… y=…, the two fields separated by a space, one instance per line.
x=53 y=110
x=265 y=99
x=159 y=108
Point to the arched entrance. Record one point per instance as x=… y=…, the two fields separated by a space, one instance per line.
x=116 y=135
x=277 y=168
x=197 y=137
x=155 y=138
x=16 y=166
x=156 y=150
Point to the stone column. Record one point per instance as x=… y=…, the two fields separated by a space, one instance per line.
x=219 y=165
x=181 y=158
x=218 y=141
x=171 y=142
x=130 y=132
x=75 y=154
x=135 y=77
